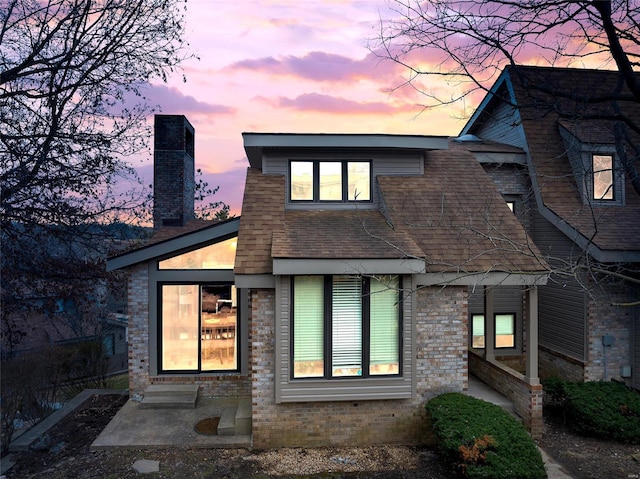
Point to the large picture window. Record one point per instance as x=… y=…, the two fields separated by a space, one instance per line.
x=345 y=326
x=334 y=181
x=198 y=327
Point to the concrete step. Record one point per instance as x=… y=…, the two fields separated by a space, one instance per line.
x=166 y=396
x=243 y=417
x=235 y=419
x=227 y=424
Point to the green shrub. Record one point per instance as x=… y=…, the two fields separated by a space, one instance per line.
x=603 y=409
x=555 y=394
x=482 y=440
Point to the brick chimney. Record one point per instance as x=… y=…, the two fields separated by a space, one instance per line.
x=173 y=171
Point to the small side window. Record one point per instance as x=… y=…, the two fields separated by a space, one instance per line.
x=603 y=185
x=505 y=330
x=477 y=331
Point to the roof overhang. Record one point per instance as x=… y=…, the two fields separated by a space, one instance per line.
x=207 y=235
x=354 y=266
x=494 y=278
x=600 y=255
x=256 y=143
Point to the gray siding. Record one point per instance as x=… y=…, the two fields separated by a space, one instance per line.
x=562 y=302
x=500 y=127
x=506 y=299
x=288 y=390
x=635 y=350
x=561 y=315
x=382 y=164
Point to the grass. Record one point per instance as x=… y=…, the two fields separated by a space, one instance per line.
x=121 y=381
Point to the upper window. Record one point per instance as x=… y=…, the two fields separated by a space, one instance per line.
x=216 y=256
x=337 y=181
x=345 y=327
x=603 y=188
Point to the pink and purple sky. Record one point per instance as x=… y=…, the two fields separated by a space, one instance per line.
x=294 y=66
x=286 y=66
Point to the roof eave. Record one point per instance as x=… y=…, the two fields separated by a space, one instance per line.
x=191 y=239
x=256 y=143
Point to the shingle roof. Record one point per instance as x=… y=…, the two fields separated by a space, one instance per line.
x=262 y=213
x=457 y=217
x=452 y=216
x=576 y=93
x=341 y=234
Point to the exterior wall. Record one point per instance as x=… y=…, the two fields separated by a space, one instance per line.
x=138 y=308
x=506 y=299
x=441 y=365
x=554 y=364
x=225 y=385
x=382 y=163
x=499 y=126
x=604 y=318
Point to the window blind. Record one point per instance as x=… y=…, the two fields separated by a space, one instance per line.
x=308 y=340
x=504 y=324
x=384 y=324
x=477 y=324
x=346 y=327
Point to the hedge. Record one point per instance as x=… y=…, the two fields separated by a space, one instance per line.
x=607 y=410
x=481 y=440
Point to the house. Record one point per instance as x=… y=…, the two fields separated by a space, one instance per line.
x=58 y=302
x=338 y=301
x=548 y=139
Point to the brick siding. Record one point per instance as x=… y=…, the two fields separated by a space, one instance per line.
x=441 y=353
x=222 y=385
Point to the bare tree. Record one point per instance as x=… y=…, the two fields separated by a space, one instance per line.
x=471 y=41
x=73 y=75
x=72 y=79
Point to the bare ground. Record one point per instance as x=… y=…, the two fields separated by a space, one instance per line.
x=67 y=455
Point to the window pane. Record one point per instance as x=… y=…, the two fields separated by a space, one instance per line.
x=219 y=325
x=180 y=327
x=359 y=181
x=384 y=326
x=505 y=330
x=308 y=323
x=477 y=331
x=330 y=181
x=302 y=180
x=346 y=353
x=220 y=255
x=602 y=177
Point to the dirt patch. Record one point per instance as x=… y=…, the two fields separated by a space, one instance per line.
x=588 y=458
x=65 y=454
x=208 y=426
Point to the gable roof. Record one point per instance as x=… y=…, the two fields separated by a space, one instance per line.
x=451 y=219
x=579 y=101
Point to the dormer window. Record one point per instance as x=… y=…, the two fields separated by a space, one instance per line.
x=603 y=180
x=329 y=181
x=591 y=150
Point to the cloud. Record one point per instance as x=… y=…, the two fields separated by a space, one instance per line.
x=173 y=101
x=320 y=66
x=317 y=102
